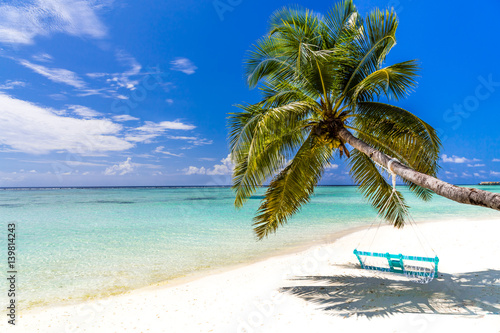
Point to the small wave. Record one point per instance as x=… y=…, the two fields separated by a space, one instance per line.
x=202 y=198
x=11 y=205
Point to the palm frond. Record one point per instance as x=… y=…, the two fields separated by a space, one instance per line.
x=260 y=147
x=404 y=136
x=284 y=92
x=292 y=187
x=265 y=59
x=375 y=188
x=376 y=40
x=418 y=141
x=341 y=24
x=395 y=81
x=251 y=171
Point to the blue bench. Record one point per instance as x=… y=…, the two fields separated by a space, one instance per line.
x=396 y=262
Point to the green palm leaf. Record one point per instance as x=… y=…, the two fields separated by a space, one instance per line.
x=292 y=187
x=376 y=189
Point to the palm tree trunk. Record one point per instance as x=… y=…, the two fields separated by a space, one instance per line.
x=463 y=195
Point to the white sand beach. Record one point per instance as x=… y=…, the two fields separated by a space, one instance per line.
x=318 y=290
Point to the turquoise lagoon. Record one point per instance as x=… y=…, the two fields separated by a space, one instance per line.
x=80 y=243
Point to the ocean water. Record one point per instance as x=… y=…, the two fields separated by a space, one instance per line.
x=76 y=244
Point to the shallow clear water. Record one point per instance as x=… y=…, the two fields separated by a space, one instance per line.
x=80 y=243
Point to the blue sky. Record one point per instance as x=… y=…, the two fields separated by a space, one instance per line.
x=137 y=92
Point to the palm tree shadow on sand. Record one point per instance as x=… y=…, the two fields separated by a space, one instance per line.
x=473 y=293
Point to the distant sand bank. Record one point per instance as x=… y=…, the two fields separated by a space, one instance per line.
x=317 y=290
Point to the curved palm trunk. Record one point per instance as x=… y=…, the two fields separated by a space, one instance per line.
x=463 y=195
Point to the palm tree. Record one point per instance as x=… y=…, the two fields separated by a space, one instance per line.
x=322 y=78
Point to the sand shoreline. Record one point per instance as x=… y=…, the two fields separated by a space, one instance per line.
x=304 y=289
x=193 y=276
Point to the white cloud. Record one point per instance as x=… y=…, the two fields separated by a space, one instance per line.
x=151 y=130
x=494 y=173
x=201 y=142
x=165 y=125
x=9 y=84
x=22 y=23
x=122 y=80
x=33 y=129
x=206 y=159
x=226 y=168
x=58 y=75
x=183 y=65
x=84 y=111
x=182 y=137
x=124 y=117
x=332 y=167
x=116 y=81
x=496 y=160
x=465 y=174
x=195 y=171
x=68 y=162
x=97 y=75
x=456 y=159
x=58 y=97
x=103 y=92
x=80 y=163
x=169 y=101
x=42 y=57
x=477 y=165
x=160 y=150
x=192 y=140
x=120 y=168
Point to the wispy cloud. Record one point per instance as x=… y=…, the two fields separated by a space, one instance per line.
x=58 y=75
x=58 y=97
x=496 y=160
x=456 y=159
x=124 y=117
x=183 y=65
x=21 y=23
x=494 y=173
x=477 y=165
x=71 y=163
x=191 y=140
x=42 y=57
x=127 y=79
x=33 y=129
x=160 y=150
x=151 y=130
x=84 y=111
x=9 y=84
x=150 y=126
x=124 y=80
